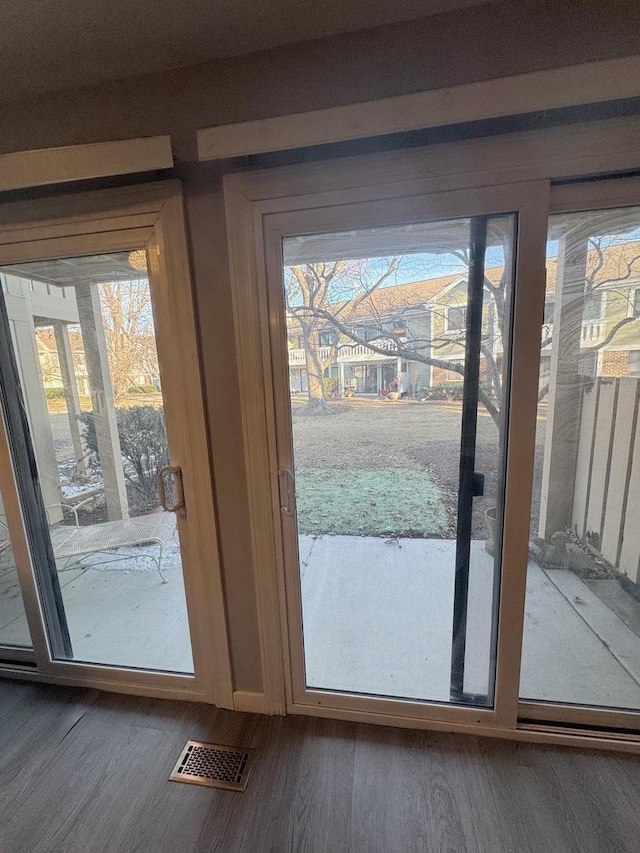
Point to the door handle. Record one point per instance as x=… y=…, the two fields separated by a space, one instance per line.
x=176 y=475
x=287 y=490
x=477 y=485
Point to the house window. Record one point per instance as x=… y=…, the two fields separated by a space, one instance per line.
x=456 y=318
x=635 y=303
x=593 y=307
x=327 y=339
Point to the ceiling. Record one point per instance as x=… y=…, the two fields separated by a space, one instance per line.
x=89 y=269
x=57 y=44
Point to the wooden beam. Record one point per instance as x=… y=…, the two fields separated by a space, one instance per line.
x=45 y=166
x=523 y=93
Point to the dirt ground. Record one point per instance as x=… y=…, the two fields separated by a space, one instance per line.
x=370 y=434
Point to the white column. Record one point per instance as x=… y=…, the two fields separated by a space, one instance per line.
x=565 y=388
x=67 y=371
x=104 y=411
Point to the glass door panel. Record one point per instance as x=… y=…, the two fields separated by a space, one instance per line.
x=396 y=345
x=86 y=367
x=582 y=624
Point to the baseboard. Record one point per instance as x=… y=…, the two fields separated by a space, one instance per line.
x=250 y=701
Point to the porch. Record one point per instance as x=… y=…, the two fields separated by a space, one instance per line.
x=377 y=619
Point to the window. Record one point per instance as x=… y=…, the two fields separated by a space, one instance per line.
x=593 y=307
x=327 y=339
x=635 y=302
x=456 y=318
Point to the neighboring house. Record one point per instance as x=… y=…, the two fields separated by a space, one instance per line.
x=50 y=363
x=429 y=316
x=141 y=374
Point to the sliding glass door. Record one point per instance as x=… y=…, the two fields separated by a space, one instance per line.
x=397 y=577
x=582 y=627
x=95 y=398
x=391 y=352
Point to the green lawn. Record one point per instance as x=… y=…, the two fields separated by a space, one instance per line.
x=369 y=502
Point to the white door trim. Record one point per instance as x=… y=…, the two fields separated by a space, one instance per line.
x=554 y=88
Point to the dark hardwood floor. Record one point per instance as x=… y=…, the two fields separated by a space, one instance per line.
x=86 y=772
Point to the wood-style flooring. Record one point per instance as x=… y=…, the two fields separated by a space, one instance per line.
x=86 y=772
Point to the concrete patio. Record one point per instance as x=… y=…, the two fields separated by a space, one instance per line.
x=378 y=616
x=118 y=612
x=377 y=619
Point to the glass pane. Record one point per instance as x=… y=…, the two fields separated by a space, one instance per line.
x=14 y=630
x=378 y=350
x=582 y=626
x=84 y=341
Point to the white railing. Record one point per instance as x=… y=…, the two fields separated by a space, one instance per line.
x=593 y=331
x=297 y=356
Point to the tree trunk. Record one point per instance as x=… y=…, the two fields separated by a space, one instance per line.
x=316 y=400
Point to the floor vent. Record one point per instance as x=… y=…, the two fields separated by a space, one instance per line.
x=213 y=765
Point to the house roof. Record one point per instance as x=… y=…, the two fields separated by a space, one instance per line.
x=45 y=337
x=615 y=260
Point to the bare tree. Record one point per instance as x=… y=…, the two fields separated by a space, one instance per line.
x=128 y=327
x=362 y=309
x=310 y=289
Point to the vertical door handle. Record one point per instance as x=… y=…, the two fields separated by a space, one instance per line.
x=176 y=474
x=287 y=490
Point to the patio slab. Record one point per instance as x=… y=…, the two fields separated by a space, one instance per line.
x=377 y=619
x=118 y=613
x=378 y=616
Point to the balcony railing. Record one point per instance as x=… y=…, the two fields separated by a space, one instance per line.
x=345 y=353
x=297 y=356
x=593 y=331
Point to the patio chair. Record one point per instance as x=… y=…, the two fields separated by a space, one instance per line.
x=73 y=541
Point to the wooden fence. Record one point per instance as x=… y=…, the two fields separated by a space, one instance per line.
x=606 y=503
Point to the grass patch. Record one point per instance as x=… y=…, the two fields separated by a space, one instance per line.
x=369 y=502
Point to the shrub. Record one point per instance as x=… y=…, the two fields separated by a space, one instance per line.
x=54 y=393
x=142 y=389
x=444 y=391
x=143 y=442
x=331 y=386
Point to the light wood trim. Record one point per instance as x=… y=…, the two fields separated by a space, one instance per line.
x=132 y=683
x=245 y=252
x=45 y=166
x=249 y=701
x=89 y=226
x=73 y=245
x=552 y=735
x=178 y=353
x=560 y=153
x=595 y=195
x=523 y=93
x=560 y=713
x=530 y=202
x=523 y=362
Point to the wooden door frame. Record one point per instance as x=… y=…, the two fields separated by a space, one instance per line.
x=566 y=153
x=150 y=215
